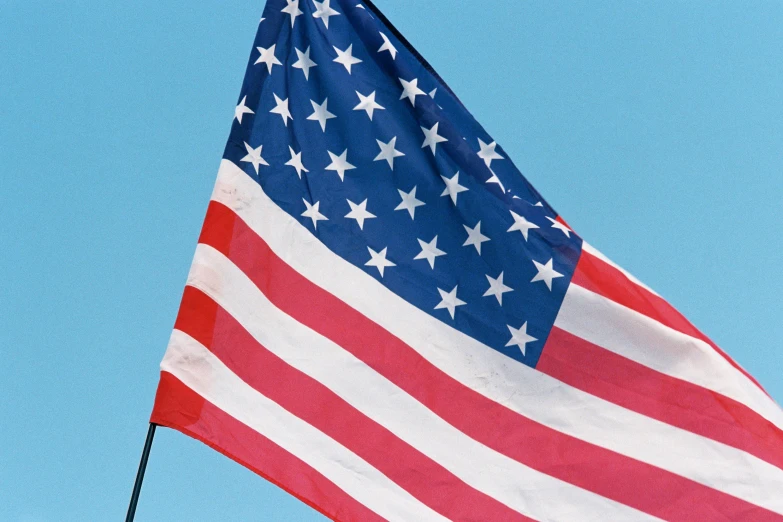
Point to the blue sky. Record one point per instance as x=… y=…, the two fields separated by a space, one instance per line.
x=655 y=129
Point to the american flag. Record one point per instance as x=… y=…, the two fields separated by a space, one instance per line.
x=385 y=319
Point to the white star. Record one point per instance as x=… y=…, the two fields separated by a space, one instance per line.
x=519 y=337
x=388 y=46
x=241 y=110
x=495 y=179
x=487 y=152
x=452 y=187
x=429 y=251
x=433 y=92
x=360 y=6
x=449 y=301
x=359 y=213
x=304 y=62
x=282 y=109
x=521 y=224
x=497 y=288
x=340 y=164
x=313 y=213
x=545 y=273
x=378 y=260
x=321 y=114
x=475 y=237
x=268 y=57
x=346 y=58
x=262 y=19
x=558 y=225
x=368 y=104
x=410 y=90
x=254 y=156
x=323 y=11
x=388 y=152
x=293 y=9
x=296 y=162
x=432 y=138
x=409 y=202
x=539 y=204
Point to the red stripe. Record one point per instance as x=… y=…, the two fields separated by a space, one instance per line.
x=591 y=467
x=631 y=385
x=602 y=278
x=317 y=405
x=764 y=439
x=178 y=407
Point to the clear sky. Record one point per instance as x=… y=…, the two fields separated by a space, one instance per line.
x=654 y=128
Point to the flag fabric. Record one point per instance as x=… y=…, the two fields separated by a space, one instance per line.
x=385 y=319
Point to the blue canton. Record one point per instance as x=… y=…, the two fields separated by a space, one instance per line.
x=353 y=134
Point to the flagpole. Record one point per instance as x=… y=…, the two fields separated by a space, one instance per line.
x=145 y=455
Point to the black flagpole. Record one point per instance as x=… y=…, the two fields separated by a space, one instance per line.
x=145 y=455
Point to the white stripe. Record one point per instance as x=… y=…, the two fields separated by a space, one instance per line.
x=391 y=407
x=194 y=365
x=590 y=249
x=514 y=385
x=639 y=338
x=595 y=252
